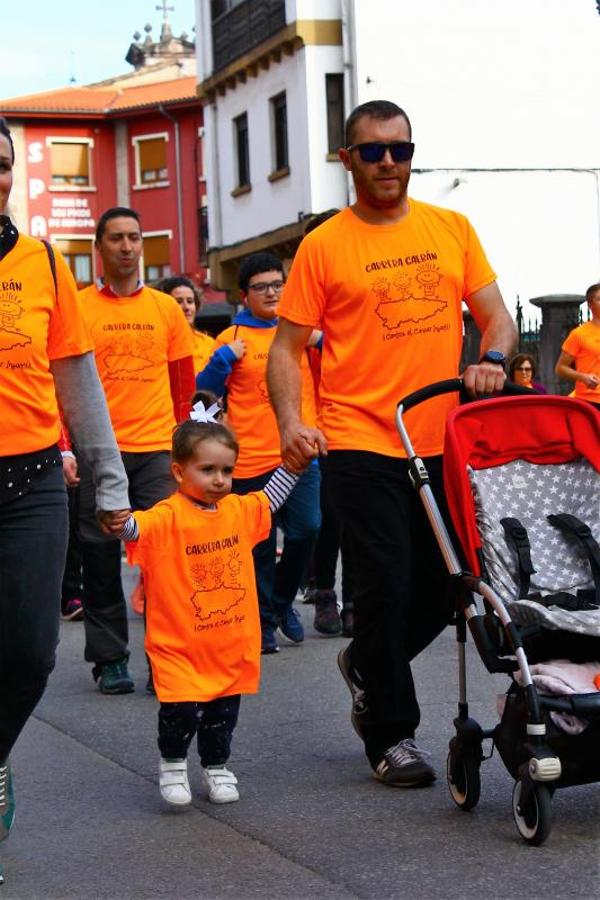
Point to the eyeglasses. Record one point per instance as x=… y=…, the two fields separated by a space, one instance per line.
x=374 y=151
x=261 y=287
x=523 y=369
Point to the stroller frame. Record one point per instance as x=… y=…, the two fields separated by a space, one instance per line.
x=539 y=775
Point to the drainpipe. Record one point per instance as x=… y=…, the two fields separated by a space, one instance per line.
x=168 y=116
x=349 y=62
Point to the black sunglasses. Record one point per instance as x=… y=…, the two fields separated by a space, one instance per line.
x=374 y=151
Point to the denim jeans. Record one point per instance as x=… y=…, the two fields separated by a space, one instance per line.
x=212 y=722
x=299 y=518
x=33 y=546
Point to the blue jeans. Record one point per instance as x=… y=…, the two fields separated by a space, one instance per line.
x=33 y=547
x=299 y=518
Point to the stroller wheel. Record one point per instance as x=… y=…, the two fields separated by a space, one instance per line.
x=533 y=817
x=464 y=782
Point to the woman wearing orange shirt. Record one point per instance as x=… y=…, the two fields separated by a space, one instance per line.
x=45 y=357
x=190 y=300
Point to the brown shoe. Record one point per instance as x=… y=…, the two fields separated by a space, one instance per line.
x=327 y=619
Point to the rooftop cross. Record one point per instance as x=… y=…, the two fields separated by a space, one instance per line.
x=165 y=9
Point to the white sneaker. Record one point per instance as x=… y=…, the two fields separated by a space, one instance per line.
x=221 y=785
x=173 y=782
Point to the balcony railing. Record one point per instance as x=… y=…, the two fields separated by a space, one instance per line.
x=243 y=27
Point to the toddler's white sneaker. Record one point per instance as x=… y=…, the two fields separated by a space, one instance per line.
x=221 y=785
x=173 y=782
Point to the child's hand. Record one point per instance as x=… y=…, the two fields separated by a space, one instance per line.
x=112 y=521
x=238 y=347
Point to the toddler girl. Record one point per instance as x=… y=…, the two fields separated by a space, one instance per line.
x=202 y=623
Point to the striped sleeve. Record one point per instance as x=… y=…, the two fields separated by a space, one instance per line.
x=130 y=530
x=279 y=487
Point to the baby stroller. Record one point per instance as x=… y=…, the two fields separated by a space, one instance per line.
x=522 y=480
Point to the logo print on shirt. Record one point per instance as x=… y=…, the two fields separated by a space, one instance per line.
x=125 y=356
x=10 y=310
x=216 y=582
x=409 y=299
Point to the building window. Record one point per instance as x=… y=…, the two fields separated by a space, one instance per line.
x=240 y=25
x=280 y=135
x=157 y=257
x=334 y=90
x=240 y=128
x=151 y=160
x=70 y=162
x=78 y=255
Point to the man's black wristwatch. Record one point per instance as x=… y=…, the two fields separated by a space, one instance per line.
x=494 y=356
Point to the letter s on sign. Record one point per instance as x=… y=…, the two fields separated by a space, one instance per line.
x=35 y=152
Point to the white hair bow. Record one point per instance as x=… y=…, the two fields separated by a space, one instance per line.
x=199 y=413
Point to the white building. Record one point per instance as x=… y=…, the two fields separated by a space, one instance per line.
x=502 y=98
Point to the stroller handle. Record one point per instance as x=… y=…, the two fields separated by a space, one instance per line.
x=451 y=386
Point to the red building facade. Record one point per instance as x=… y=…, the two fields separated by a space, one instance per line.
x=129 y=142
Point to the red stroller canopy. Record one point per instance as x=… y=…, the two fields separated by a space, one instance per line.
x=486 y=433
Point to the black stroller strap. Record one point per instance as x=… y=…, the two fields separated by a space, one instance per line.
x=583 y=601
x=517 y=539
x=579 y=530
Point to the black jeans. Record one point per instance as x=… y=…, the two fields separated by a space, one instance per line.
x=328 y=546
x=33 y=546
x=104 y=606
x=212 y=722
x=401 y=594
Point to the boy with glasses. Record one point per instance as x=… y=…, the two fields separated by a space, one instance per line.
x=239 y=368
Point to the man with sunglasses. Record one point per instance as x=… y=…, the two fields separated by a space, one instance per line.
x=385 y=280
x=238 y=368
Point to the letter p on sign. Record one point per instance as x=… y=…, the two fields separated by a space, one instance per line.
x=36 y=187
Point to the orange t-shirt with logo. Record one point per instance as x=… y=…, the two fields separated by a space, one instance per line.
x=135 y=338
x=583 y=344
x=38 y=323
x=389 y=301
x=204 y=347
x=202 y=621
x=249 y=412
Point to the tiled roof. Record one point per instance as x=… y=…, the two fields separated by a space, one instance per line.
x=103 y=101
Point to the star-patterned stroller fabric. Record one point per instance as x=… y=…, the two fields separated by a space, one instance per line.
x=530 y=493
x=527 y=458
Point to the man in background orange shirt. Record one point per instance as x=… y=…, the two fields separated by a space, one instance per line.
x=579 y=360
x=143 y=348
x=385 y=280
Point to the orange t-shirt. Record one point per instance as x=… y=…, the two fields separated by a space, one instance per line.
x=202 y=622
x=204 y=346
x=249 y=412
x=37 y=324
x=583 y=344
x=389 y=301
x=135 y=338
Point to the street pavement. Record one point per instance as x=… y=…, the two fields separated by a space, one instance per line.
x=311 y=821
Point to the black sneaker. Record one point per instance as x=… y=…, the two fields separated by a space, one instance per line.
x=405 y=765
x=352 y=679
x=347 y=617
x=327 y=618
x=114 y=677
